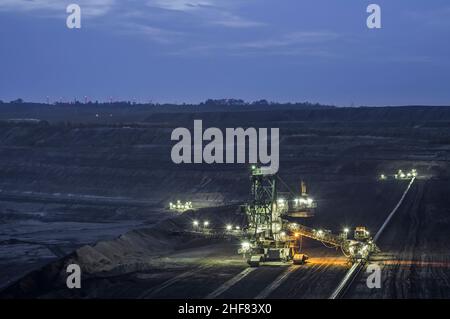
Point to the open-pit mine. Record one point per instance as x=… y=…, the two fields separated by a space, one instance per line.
x=359 y=207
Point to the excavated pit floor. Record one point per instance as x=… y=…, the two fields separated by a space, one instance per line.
x=95 y=192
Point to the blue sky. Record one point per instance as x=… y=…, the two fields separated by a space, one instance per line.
x=191 y=50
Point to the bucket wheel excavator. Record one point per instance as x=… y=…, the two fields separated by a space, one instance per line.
x=272 y=235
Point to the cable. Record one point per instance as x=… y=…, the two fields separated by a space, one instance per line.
x=326 y=245
x=285 y=185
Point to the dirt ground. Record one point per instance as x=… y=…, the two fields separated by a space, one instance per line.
x=96 y=192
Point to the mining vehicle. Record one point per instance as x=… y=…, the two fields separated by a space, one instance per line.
x=272 y=235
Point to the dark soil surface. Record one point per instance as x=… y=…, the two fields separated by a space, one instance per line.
x=78 y=188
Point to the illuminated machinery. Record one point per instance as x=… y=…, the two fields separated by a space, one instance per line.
x=402 y=175
x=358 y=248
x=267 y=230
x=180 y=207
x=271 y=235
x=302 y=206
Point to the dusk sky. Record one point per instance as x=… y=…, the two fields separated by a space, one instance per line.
x=192 y=50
